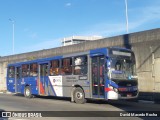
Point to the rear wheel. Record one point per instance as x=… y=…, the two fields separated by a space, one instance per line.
x=27 y=92
x=79 y=96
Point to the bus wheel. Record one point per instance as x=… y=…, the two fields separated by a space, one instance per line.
x=27 y=92
x=78 y=96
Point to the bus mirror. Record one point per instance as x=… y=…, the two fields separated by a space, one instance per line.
x=108 y=63
x=107 y=66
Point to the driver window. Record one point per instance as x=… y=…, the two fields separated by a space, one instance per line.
x=80 y=65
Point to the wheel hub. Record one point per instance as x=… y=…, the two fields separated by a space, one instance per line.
x=27 y=92
x=79 y=95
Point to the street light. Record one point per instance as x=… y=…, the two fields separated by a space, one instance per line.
x=12 y=35
x=126 y=16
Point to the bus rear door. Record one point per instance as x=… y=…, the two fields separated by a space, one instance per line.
x=43 y=78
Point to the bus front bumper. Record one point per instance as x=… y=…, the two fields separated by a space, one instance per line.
x=112 y=95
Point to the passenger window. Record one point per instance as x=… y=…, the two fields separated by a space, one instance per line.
x=34 y=69
x=80 y=65
x=54 y=68
x=66 y=66
x=11 y=72
x=25 y=70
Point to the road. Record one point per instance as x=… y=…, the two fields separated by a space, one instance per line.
x=12 y=102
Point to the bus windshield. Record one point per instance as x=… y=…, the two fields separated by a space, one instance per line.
x=122 y=68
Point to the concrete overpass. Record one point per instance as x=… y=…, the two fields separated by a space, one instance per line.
x=145 y=44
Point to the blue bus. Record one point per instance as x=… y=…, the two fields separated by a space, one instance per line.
x=102 y=73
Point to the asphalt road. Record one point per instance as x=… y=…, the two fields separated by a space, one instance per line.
x=12 y=102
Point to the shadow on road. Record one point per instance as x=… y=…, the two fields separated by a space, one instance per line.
x=18 y=94
x=54 y=98
x=94 y=101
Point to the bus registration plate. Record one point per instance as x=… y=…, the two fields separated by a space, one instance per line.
x=129 y=95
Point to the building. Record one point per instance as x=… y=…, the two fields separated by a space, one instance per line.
x=78 y=39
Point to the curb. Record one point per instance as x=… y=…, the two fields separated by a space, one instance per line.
x=6 y=92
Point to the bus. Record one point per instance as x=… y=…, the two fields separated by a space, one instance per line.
x=102 y=73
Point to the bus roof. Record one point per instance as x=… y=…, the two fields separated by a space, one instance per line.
x=40 y=60
x=35 y=61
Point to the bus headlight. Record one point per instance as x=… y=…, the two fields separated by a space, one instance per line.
x=115 y=89
x=111 y=87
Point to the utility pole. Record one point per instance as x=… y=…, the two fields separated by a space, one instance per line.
x=126 y=16
x=12 y=35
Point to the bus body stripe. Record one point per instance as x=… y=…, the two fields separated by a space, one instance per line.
x=52 y=88
x=108 y=89
x=41 y=88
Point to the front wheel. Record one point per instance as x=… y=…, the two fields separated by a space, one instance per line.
x=79 y=96
x=27 y=92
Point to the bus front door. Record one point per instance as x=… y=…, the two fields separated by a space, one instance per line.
x=43 y=78
x=17 y=80
x=97 y=66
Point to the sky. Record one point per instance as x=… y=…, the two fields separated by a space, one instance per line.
x=42 y=24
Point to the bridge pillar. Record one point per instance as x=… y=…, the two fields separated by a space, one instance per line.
x=3 y=74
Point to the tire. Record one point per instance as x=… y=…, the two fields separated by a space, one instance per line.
x=27 y=92
x=79 y=96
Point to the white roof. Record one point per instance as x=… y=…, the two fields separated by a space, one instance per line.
x=83 y=38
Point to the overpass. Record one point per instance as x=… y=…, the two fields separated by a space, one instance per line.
x=145 y=44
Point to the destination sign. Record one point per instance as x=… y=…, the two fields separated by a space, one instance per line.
x=121 y=53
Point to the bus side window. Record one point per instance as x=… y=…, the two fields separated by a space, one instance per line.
x=66 y=66
x=80 y=65
x=54 y=68
x=11 y=72
x=25 y=70
x=33 y=69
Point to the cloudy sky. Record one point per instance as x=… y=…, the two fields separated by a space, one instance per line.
x=41 y=24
